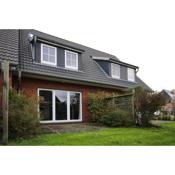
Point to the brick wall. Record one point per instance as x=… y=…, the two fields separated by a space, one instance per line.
x=30 y=86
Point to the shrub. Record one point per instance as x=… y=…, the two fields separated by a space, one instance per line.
x=104 y=111
x=146 y=104
x=23 y=115
x=116 y=119
x=98 y=106
x=166 y=117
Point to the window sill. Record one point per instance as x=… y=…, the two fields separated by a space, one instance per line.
x=118 y=78
x=121 y=79
x=58 y=67
x=71 y=68
x=61 y=121
x=131 y=81
x=47 y=64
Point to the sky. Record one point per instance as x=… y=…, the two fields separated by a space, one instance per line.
x=139 y=32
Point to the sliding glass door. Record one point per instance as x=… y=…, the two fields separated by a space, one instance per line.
x=60 y=106
x=46 y=104
x=74 y=106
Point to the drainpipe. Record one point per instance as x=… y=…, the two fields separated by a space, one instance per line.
x=19 y=65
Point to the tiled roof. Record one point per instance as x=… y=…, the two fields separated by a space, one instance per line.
x=90 y=72
x=9 y=45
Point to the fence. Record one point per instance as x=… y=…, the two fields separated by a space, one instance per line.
x=124 y=102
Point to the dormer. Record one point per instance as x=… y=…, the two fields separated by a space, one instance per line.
x=117 y=69
x=50 y=53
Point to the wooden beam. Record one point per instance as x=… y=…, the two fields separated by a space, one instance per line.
x=133 y=106
x=5 y=100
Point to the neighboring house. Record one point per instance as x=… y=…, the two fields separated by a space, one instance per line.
x=169 y=97
x=62 y=73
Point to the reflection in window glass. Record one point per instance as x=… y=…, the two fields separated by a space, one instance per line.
x=48 y=54
x=71 y=59
x=131 y=74
x=74 y=106
x=45 y=105
x=61 y=105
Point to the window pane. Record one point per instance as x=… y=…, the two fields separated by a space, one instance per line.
x=61 y=105
x=74 y=106
x=116 y=70
x=69 y=62
x=45 y=50
x=45 y=57
x=71 y=59
x=68 y=55
x=68 y=59
x=131 y=74
x=45 y=105
x=52 y=51
x=48 y=54
x=74 y=62
x=52 y=59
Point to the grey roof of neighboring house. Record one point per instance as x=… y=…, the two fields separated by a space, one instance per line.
x=170 y=94
x=91 y=71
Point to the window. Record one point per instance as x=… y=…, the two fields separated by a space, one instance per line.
x=60 y=106
x=45 y=105
x=74 y=106
x=131 y=74
x=115 y=70
x=48 y=55
x=71 y=60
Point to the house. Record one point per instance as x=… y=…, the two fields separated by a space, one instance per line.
x=62 y=73
x=169 y=97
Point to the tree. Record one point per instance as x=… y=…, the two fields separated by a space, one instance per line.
x=146 y=103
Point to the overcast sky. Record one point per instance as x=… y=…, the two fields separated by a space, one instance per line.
x=136 y=31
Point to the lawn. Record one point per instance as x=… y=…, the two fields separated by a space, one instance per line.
x=165 y=135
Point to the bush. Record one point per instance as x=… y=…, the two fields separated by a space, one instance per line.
x=146 y=104
x=166 y=117
x=98 y=106
x=116 y=119
x=104 y=111
x=23 y=115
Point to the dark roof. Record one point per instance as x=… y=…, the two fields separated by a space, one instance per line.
x=91 y=71
x=143 y=84
x=169 y=93
x=9 y=45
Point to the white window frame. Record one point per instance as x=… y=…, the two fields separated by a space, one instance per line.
x=47 y=62
x=53 y=107
x=71 y=67
x=112 y=68
x=129 y=72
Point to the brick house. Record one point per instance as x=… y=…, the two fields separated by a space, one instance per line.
x=62 y=73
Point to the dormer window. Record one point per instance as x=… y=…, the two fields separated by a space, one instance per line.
x=131 y=74
x=48 y=55
x=115 y=70
x=71 y=60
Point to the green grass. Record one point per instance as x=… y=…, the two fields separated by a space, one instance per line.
x=165 y=135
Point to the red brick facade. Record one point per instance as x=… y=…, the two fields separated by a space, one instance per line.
x=30 y=86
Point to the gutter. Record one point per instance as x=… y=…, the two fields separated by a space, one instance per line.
x=37 y=75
